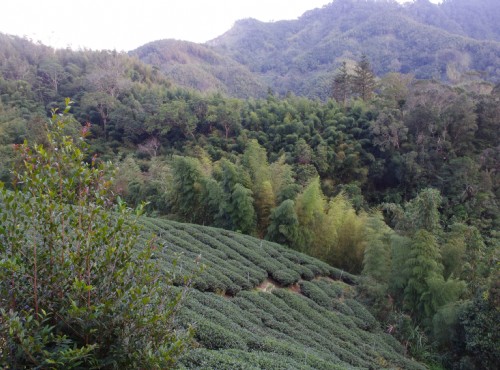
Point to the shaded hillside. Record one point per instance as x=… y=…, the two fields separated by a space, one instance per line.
x=259 y=305
x=478 y=19
x=302 y=55
x=199 y=67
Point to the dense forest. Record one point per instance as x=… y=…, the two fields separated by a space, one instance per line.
x=388 y=176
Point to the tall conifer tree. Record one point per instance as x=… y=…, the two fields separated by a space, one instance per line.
x=363 y=81
x=341 y=91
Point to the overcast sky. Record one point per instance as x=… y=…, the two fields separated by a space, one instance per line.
x=127 y=24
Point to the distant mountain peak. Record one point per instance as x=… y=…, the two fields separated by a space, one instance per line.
x=431 y=41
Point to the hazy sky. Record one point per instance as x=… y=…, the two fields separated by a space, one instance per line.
x=126 y=24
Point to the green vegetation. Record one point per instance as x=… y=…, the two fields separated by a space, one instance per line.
x=76 y=292
x=308 y=317
x=457 y=41
x=200 y=67
x=395 y=179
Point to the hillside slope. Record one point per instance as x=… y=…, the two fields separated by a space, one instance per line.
x=259 y=305
x=302 y=55
x=455 y=42
x=199 y=67
x=478 y=19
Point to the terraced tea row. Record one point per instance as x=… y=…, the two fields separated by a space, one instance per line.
x=307 y=317
x=235 y=261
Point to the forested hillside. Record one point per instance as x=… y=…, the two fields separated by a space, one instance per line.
x=427 y=40
x=390 y=177
x=477 y=19
x=200 y=67
x=456 y=41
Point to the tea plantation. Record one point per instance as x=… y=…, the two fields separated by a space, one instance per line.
x=259 y=305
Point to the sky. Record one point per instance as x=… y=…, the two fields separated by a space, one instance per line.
x=124 y=25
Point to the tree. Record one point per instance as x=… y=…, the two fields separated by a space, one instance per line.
x=105 y=84
x=423 y=263
x=226 y=114
x=422 y=212
x=377 y=257
x=388 y=132
x=255 y=161
x=51 y=73
x=12 y=130
x=240 y=209
x=394 y=90
x=347 y=235
x=377 y=264
x=186 y=188
x=229 y=175
x=282 y=180
x=363 y=81
x=108 y=74
x=173 y=114
x=426 y=290
x=341 y=90
x=150 y=147
x=310 y=209
x=155 y=190
x=102 y=103
x=480 y=321
x=76 y=287
x=303 y=153
x=128 y=178
x=213 y=203
x=284 y=225
x=400 y=252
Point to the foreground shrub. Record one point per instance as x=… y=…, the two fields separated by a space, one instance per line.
x=76 y=289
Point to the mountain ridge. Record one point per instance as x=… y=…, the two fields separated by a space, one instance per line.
x=301 y=55
x=199 y=67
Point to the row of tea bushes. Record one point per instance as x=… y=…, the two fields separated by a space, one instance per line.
x=309 y=320
x=262 y=325
x=236 y=261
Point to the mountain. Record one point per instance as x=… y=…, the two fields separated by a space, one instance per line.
x=258 y=305
x=199 y=67
x=455 y=42
x=478 y=19
x=302 y=55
